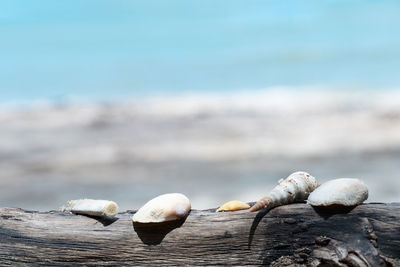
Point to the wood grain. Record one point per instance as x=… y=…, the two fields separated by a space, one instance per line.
x=293 y=234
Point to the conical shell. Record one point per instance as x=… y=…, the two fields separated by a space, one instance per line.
x=295 y=188
x=167 y=207
x=343 y=191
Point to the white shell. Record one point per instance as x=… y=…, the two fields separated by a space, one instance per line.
x=343 y=191
x=167 y=207
x=92 y=207
x=295 y=188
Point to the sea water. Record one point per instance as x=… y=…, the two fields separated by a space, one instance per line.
x=102 y=50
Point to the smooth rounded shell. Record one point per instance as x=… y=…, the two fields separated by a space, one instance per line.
x=343 y=191
x=233 y=206
x=167 y=207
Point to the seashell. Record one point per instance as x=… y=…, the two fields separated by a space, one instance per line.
x=343 y=192
x=167 y=207
x=233 y=205
x=92 y=207
x=294 y=188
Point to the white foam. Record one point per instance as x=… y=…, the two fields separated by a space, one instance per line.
x=215 y=126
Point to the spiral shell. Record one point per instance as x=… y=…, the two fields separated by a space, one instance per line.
x=294 y=188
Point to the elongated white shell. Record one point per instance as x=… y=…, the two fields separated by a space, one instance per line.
x=167 y=207
x=92 y=207
x=343 y=191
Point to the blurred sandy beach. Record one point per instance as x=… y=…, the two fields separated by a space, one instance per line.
x=213 y=147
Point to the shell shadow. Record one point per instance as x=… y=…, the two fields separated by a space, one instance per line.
x=255 y=224
x=328 y=211
x=105 y=221
x=154 y=233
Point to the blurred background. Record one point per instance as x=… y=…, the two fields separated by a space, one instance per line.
x=126 y=100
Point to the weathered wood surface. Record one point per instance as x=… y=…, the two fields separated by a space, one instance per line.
x=292 y=234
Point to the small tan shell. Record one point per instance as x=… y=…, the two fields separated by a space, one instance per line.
x=233 y=206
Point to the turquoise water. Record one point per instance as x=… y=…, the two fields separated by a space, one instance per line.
x=110 y=49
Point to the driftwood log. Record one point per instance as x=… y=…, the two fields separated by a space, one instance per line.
x=292 y=235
